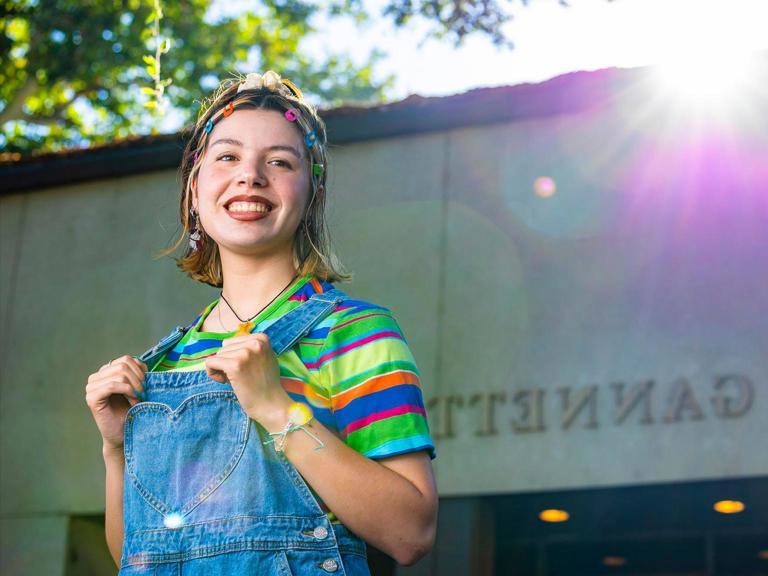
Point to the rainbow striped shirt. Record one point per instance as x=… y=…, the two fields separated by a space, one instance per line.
x=354 y=369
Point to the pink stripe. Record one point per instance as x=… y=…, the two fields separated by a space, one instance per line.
x=344 y=349
x=376 y=416
x=191 y=359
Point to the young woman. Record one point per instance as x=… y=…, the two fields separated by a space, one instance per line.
x=285 y=424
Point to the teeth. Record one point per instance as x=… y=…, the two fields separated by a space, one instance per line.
x=248 y=207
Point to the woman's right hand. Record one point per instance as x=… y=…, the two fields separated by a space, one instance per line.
x=111 y=392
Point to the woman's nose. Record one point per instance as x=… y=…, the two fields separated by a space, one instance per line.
x=252 y=176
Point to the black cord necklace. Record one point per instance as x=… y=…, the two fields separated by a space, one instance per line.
x=247 y=325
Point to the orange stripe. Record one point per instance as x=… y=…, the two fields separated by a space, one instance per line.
x=316 y=285
x=299 y=387
x=374 y=385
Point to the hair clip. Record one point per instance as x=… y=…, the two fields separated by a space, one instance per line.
x=209 y=126
x=195 y=160
x=317 y=169
x=292 y=114
x=310 y=139
x=229 y=108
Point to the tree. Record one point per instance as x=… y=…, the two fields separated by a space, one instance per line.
x=72 y=71
x=82 y=72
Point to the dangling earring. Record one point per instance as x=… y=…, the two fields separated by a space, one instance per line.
x=196 y=236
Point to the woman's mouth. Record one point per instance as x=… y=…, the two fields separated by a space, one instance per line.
x=248 y=209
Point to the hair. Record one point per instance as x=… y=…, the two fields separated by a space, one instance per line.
x=312 y=250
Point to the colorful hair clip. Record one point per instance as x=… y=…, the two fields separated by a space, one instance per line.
x=229 y=108
x=209 y=126
x=195 y=160
x=310 y=139
x=292 y=114
x=317 y=169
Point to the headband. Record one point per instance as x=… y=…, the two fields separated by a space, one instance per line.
x=271 y=81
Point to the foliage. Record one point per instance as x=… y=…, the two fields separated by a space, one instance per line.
x=457 y=19
x=76 y=73
x=80 y=72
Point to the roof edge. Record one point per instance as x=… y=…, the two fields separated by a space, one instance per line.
x=566 y=94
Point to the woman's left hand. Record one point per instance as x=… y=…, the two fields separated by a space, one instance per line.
x=250 y=365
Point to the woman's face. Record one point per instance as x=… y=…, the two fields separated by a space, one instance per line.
x=254 y=184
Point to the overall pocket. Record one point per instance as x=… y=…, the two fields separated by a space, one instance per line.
x=177 y=458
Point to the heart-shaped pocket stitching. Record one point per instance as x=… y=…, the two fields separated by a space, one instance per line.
x=177 y=458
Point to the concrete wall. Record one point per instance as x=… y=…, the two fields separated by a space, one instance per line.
x=524 y=310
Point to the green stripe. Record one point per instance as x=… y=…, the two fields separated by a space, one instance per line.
x=382 y=431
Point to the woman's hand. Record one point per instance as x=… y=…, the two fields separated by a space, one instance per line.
x=250 y=365
x=110 y=393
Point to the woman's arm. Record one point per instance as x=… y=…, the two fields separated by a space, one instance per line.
x=391 y=503
x=114 y=462
x=110 y=393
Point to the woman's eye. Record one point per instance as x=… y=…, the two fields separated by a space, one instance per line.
x=279 y=162
x=225 y=156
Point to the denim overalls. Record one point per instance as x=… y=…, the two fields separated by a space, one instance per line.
x=204 y=496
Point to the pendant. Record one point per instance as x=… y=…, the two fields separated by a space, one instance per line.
x=244 y=328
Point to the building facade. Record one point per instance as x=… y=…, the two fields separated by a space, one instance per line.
x=580 y=270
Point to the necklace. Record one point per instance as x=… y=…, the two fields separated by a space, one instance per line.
x=246 y=326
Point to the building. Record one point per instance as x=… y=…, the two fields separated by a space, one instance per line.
x=579 y=268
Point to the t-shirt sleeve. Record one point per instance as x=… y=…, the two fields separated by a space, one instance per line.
x=374 y=385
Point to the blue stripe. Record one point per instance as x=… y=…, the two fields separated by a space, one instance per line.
x=402 y=446
x=378 y=401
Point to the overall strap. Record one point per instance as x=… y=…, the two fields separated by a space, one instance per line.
x=151 y=356
x=284 y=333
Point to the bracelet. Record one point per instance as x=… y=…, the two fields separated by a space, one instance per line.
x=301 y=413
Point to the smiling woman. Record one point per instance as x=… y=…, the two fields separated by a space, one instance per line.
x=284 y=426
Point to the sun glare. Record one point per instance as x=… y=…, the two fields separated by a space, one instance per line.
x=708 y=79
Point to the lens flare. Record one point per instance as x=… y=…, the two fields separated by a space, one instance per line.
x=544 y=186
x=173 y=520
x=299 y=413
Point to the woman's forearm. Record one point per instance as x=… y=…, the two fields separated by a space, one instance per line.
x=114 y=462
x=381 y=506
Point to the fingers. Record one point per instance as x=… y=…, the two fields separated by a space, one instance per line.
x=257 y=342
x=216 y=368
x=124 y=375
x=131 y=366
x=98 y=392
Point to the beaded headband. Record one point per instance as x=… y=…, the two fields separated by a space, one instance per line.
x=271 y=81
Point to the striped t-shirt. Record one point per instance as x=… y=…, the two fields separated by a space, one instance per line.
x=353 y=369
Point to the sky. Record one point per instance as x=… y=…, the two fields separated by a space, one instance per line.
x=549 y=39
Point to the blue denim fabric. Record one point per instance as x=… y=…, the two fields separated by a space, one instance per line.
x=203 y=495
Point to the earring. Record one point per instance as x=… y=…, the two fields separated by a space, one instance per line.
x=196 y=236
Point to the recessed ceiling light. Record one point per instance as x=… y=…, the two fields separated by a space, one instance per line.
x=614 y=561
x=554 y=515
x=729 y=506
